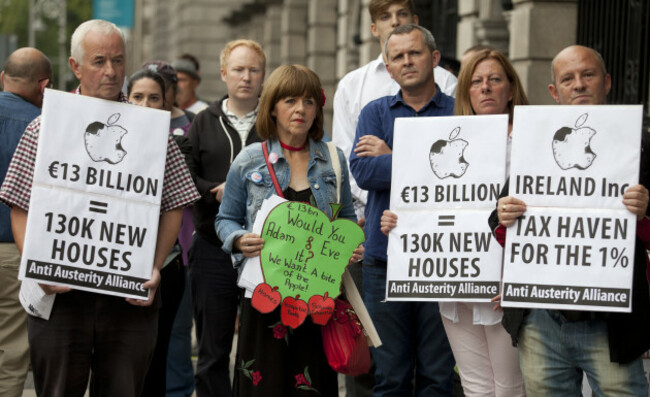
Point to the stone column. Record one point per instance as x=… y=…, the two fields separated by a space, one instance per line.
x=369 y=48
x=273 y=37
x=159 y=30
x=539 y=29
x=468 y=11
x=491 y=28
x=256 y=27
x=347 y=52
x=321 y=48
x=293 y=46
x=481 y=22
x=199 y=30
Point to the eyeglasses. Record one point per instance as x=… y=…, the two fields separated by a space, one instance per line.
x=50 y=83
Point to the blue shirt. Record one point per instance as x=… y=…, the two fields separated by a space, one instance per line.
x=15 y=114
x=374 y=173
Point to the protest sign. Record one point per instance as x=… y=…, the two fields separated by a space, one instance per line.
x=95 y=200
x=574 y=247
x=447 y=174
x=303 y=259
x=448 y=162
x=251 y=274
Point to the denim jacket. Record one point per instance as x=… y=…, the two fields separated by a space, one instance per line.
x=243 y=196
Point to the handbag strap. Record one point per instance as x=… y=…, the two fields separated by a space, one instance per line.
x=336 y=164
x=265 y=149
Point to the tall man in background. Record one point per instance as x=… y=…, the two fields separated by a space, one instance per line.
x=24 y=78
x=218 y=134
x=371 y=81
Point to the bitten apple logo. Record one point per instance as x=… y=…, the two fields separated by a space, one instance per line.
x=446 y=157
x=571 y=145
x=104 y=141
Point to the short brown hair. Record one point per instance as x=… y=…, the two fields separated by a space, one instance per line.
x=463 y=105
x=231 y=45
x=376 y=7
x=289 y=81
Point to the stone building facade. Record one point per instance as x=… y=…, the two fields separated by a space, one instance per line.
x=333 y=36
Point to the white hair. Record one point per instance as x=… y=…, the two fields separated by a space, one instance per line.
x=95 y=25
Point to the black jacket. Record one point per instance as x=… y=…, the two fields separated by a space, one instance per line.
x=628 y=333
x=215 y=144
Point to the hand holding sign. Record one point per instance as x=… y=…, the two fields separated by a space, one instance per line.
x=635 y=200
x=304 y=255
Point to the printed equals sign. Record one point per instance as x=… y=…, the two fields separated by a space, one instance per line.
x=446 y=220
x=98 y=206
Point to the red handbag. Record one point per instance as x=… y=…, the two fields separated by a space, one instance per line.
x=344 y=341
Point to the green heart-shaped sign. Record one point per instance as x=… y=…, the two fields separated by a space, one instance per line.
x=304 y=252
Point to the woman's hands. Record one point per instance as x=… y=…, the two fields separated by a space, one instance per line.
x=509 y=209
x=497 y=307
x=357 y=255
x=388 y=221
x=250 y=244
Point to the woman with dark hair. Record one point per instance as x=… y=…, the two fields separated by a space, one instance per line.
x=147 y=88
x=487 y=362
x=271 y=359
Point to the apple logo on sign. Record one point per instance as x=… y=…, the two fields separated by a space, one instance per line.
x=104 y=141
x=446 y=157
x=571 y=146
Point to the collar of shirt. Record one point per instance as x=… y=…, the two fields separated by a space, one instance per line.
x=435 y=101
x=232 y=116
x=243 y=124
x=380 y=64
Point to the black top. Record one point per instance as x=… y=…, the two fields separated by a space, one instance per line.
x=304 y=196
x=215 y=144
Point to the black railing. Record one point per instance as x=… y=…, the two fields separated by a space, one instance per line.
x=441 y=18
x=619 y=31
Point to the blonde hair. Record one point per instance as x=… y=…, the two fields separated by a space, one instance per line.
x=463 y=105
x=231 y=45
x=289 y=81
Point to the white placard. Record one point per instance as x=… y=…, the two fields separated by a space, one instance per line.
x=447 y=174
x=95 y=200
x=575 y=156
x=574 y=247
x=443 y=256
x=448 y=162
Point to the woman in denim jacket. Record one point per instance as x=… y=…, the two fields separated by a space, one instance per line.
x=271 y=359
